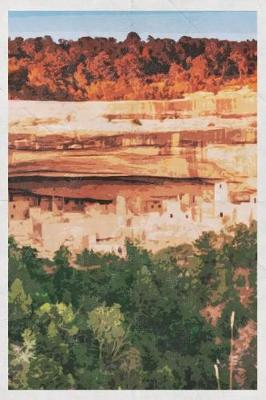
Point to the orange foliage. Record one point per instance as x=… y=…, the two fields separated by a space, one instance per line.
x=104 y=69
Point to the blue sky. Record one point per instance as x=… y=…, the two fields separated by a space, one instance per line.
x=172 y=24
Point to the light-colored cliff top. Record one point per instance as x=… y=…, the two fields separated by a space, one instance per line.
x=50 y=117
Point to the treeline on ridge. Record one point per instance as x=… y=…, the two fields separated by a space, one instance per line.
x=106 y=69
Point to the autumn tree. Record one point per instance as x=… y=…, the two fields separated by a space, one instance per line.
x=198 y=72
x=128 y=67
x=106 y=69
x=101 y=67
x=241 y=62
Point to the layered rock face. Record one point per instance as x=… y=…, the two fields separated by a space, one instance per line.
x=202 y=135
x=90 y=175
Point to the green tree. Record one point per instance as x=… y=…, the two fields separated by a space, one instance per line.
x=61 y=257
x=134 y=322
x=207 y=253
x=20 y=359
x=107 y=325
x=19 y=309
x=47 y=373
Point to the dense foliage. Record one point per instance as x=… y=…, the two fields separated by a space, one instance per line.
x=132 y=323
x=104 y=69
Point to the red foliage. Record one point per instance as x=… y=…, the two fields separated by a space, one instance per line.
x=104 y=69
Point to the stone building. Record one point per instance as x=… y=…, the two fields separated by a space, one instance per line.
x=156 y=220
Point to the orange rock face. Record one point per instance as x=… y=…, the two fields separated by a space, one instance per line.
x=202 y=136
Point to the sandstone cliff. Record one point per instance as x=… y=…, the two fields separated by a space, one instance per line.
x=200 y=136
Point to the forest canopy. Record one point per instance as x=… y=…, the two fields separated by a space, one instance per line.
x=106 y=69
x=145 y=321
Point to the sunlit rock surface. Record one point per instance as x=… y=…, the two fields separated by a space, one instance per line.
x=202 y=135
x=91 y=174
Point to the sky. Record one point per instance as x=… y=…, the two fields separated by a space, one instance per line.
x=231 y=25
